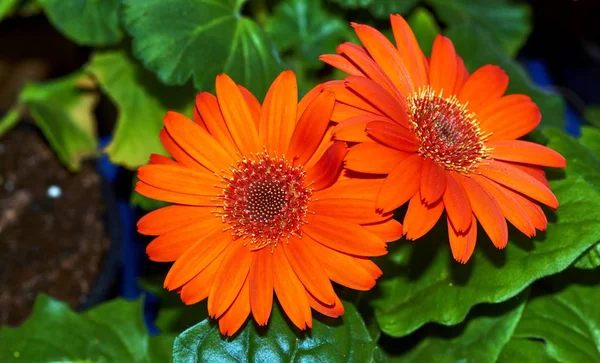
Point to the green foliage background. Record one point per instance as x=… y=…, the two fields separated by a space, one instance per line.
x=535 y=301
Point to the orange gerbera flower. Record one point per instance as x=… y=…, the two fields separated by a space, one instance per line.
x=445 y=139
x=260 y=206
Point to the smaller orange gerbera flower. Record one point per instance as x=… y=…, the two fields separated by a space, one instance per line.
x=446 y=139
x=260 y=207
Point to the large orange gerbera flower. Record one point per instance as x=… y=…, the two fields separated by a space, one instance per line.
x=445 y=139
x=261 y=207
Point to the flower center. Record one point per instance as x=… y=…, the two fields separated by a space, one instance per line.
x=265 y=200
x=447 y=132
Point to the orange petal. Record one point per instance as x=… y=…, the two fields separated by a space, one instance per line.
x=341 y=63
x=309 y=270
x=168 y=218
x=433 y=181
x=308 y=98
x=253 y=104
x=401 y=184
x=420 y=218
x=510 y=208
x=509 y=117
x=311 y=128
x=162 y=160
x=393 y=135
x=290 y=292
x=352 y=210
x=363 y=61
x=350 y=188
x=206 y=249
x=342 y=112
x=486 y=84
x=443 y=66
x=463 y=243
x=373 y=158
x=409 y=51
x=354 y=129
x=389 y=231
x=344 y=236
x=380 y=98
x=237 y=115
x=261 y=285
x=327 y=170
x=278 y=115
x=520 y=181
x=386 y=56
x=198 y=118
x=535 y=213
x=197 y=142
x=208 y=107
x=326 y=143
x=520 y=151
x=179 y=179
x=174 y=197
x=343 y=94
x=340 y=267
x=177 y=152
x=457 y=204
x=533 y=170
x=333 y=311
x=238 y=312
x=487 y=211
x=197 y=288
x=229 y=278
x=171 y=245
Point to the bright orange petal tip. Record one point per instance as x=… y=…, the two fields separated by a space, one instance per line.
x=254 y=189
x=446 y=140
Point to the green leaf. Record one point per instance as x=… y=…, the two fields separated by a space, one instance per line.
x=380 y=9
x=304 y=30
x=566 y=316
x=10 y=119
x=333 y=340
x=477 y=50
x=508 y=24
x=183 y=39
x=7 y=7
x=426 y=285
x=592 y=115
x=141 y=100
x=524 y=351
x=111 y=332
x=585 y=162
x=423 y=24
x=63 y=110
x=86 y=22
x=479 y=339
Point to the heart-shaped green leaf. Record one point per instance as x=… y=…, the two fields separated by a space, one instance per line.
x=524 y=351
x=86 y=22
x=183 y=39
x=345 y=339
x=7 y=7
x=112 y=332
x=426 y=285
x=508 y=24
x=141 y=100
x=480 y=338
x=63 y=109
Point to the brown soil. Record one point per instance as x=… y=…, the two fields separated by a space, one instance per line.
x=53 y=245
